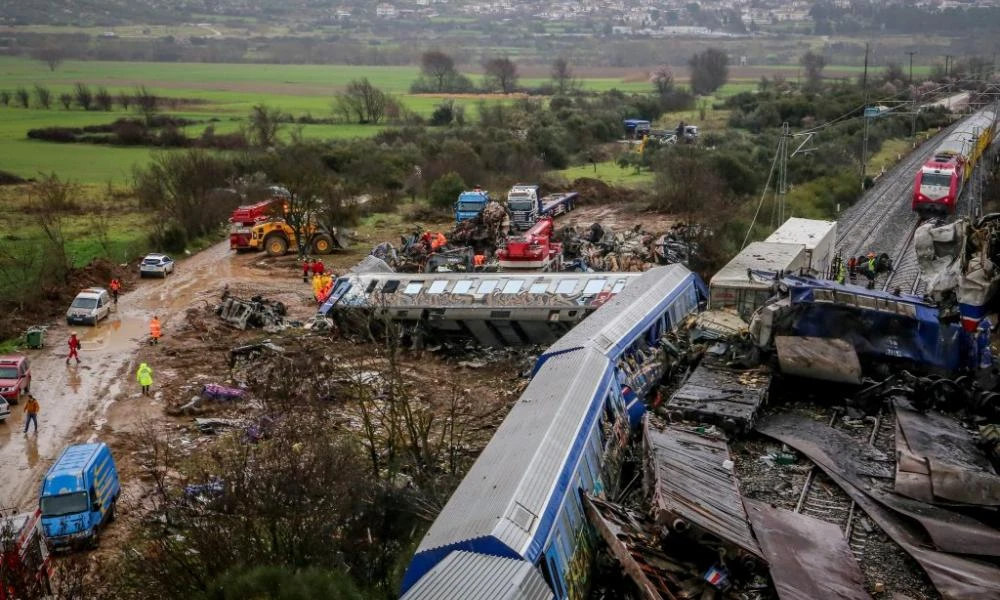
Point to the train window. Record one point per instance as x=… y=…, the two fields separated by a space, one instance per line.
x=566 y=286
x=390 y=286
x=487 y=286
x=371 y=286
x=513 y=286
x=566 y=533
x=538 y=287
x=619 y=286
x=462 y=287
x=437 y=286
x=413 y=287
x=594 y=286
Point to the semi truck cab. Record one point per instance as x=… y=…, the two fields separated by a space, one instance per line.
x=470 y=204
x=78 y=495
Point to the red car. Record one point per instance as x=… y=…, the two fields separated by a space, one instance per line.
x=15 y=377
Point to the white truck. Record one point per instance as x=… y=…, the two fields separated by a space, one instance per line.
x=526 y=205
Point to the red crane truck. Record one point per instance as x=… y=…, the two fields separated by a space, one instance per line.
x=534 y=249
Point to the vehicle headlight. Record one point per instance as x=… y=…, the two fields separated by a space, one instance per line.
x=6 y=389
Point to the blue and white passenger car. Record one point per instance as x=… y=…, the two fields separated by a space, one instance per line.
x=520 y=503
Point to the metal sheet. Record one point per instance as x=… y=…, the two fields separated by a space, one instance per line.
x=959 y=471
x=691 y=483
x=835 y=451
x=955 y=577
x=809 y=558
x=721 y=396
x=828 y=359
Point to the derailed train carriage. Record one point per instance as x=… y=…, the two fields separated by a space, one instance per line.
x=518 y=511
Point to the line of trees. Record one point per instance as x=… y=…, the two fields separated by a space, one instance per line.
x=85 y=98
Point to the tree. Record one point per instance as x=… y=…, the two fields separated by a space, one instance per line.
x=500 y=72
x=23 y=97
x=52 y=55
x=663 y=80
x=102 y=99
x=562 y=76
x=439 y=67
x=146 y=103
x=5 y=97
x=263 y=126
x=175 y=185
x=52 y=199
x=445 y=190
x=66 y=99
x=709 y=71
x=124 y=99
x=363 y=102
x=813 y=64
x=300 y=168
x=43 y=96
x=84 y=97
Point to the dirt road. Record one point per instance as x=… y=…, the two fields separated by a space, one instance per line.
x=76 y=399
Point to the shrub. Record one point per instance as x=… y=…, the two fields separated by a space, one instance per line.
x=445 y=190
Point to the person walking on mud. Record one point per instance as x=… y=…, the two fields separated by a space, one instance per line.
x=116 y=287
x=154 y=331
x=306 y=269
x=145 y=378
x=31 y=413
x=74 y=348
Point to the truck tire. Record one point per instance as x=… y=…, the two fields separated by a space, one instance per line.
x=276 y=244
x=322 y=243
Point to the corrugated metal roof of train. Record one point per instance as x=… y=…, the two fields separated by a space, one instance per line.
x=468 y=576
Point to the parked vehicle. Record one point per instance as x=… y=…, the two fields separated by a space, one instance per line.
x=90 y=306
x=15 y=377
x=243 y=219
x=79 y=494
x=156 y=264
x=278 y=238
x=526 y=205
x=470 y=204
x=26 y=567
x=533 y=250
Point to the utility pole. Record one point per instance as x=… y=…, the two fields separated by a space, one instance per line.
x=864 y=142
x=783 y=172
x=913 y=106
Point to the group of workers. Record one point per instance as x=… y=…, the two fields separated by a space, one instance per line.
x=322 y=280
x=867 y=265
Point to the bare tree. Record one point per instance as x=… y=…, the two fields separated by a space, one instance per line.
x=102 y=99
x=23 y=97
x=263 y=126
x=302 y=172
x=43 y=96
x=562 y=76
x=51 y=199
x=500 y=73
x=362 y=101
x=662 y=79
x=51 y=54
x=124 y=99
x=709 y=71
x=84 y=97
x=66 y=99
x=146 y=103
x=439 y=67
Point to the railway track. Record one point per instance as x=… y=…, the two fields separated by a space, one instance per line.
x=822 y=499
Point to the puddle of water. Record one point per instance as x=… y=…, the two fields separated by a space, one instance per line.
x=117 y=332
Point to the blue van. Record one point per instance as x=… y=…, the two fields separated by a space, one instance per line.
x=79 y=494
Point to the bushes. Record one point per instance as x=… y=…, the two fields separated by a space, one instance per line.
x=445 y=190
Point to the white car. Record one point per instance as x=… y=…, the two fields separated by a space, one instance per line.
x=156 y=264
x=4 y=409
x=90 y=306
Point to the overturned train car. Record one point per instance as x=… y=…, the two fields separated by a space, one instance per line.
x=518 y=510
x=495 y=309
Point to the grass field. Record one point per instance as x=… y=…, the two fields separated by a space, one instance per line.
x=608 y=172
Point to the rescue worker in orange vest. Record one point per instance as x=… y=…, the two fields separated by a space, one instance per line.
x=154 y=330
x=479 y=260
x=115 y=287
x=438 y=242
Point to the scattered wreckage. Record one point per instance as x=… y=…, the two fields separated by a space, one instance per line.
x=257 y=312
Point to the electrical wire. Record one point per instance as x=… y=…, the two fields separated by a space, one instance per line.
x=762 y=196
